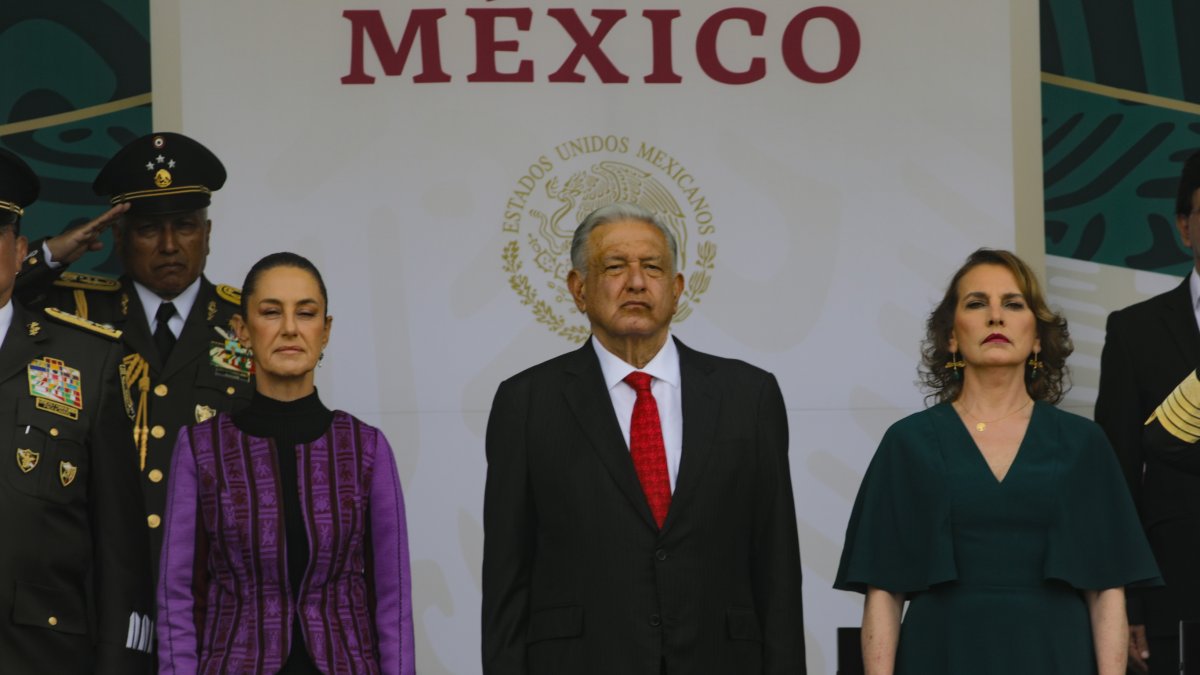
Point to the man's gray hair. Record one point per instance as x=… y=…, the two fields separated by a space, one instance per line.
x=615 y=212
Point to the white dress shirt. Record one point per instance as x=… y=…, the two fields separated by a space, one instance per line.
x=183 y=304
x=1194 y=285
x=664 y=368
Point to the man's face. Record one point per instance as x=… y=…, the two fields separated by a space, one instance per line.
x=631 y=288
x=12 y=252
x=164 y=253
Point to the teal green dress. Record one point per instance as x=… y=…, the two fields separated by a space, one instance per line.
x=993 y=569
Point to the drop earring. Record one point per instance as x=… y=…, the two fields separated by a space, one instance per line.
x=955 y=364
x=1035 y=367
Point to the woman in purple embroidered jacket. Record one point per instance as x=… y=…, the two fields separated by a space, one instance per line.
x=285 y=546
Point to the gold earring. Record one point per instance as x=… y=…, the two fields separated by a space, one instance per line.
x=955 y=364
x=1035 y=364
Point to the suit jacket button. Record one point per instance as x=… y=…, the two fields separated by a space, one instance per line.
x=153 y=520
x=158 y=431
x=53 y=621
x=155 y=476
x=655 y=620
x=160 y=390
x=661 y=554
x=230 y=390
x=53 y=431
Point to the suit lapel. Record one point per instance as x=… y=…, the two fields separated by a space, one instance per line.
x=196 y=333
x=700 y=400
x=1180 y=318
x=19 y=346
x=591 y=404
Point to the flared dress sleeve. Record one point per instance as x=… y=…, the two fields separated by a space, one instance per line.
x=899 y=536
x=1095 y=540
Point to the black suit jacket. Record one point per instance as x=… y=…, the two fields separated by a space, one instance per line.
x=75 y=588
x=1150 y=348
x=187 y=388
x=578 y=579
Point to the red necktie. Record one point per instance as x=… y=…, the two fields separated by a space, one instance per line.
x=647 y=449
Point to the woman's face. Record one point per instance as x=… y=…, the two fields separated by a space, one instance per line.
x=286 y=325
x=993 y=325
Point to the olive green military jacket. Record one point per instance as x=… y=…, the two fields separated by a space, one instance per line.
x=203 y=375
x=76 y=592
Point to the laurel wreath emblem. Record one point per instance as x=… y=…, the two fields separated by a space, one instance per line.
x=548 y=242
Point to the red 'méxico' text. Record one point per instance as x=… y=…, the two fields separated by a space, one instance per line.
x=367 y=27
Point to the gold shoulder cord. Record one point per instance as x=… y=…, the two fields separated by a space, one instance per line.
x=81 y=307
x=139 y=372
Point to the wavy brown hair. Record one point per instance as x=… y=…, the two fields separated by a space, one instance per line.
x=1053 y=380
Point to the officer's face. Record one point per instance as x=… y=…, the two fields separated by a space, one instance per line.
x=12 y=252
x=164 y=253
x=286 y=326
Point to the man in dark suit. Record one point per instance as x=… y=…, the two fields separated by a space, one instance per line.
x=1150 y=347
x=638 y=514
x=182 y=364
x=75 y=588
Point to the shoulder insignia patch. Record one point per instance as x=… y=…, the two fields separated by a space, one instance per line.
x=88 y=282
x=230 y=294
x=90 y=326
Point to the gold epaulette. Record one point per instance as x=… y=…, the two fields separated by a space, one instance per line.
x=79 y=322
x=88 y=282
x=1179 y=413
x=230 y=294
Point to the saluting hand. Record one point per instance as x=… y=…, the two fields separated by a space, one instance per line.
x=70 y=246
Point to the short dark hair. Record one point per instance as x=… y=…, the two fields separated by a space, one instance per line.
x=280 y=259
x=1052 y=382
x=1189 y=182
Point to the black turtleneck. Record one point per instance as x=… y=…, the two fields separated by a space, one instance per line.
x=288 y=424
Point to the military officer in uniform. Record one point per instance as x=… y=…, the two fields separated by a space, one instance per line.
x=182 y=363
x=75 y=591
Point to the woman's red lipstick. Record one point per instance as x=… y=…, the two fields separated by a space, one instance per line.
x=996 y=337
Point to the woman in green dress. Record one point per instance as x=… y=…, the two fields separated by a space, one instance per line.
x=1002 y=521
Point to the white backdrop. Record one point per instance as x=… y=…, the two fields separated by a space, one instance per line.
x=838 y=211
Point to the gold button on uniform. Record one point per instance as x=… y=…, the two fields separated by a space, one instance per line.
x=53 y=431
x=53 y=621
x=160 y=390
x=155 y=476
x=230 y=390
x=158 y=431
x=153 y=520
x=33 y=261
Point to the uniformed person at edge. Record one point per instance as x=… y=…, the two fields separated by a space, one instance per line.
x=183 y=364
x=75 y=585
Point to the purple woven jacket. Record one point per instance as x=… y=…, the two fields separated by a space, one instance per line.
x=224 y=604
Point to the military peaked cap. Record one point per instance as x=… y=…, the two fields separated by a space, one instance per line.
x=161 y=173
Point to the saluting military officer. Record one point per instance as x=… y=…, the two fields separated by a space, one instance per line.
x=183 y=364
x=75 y=586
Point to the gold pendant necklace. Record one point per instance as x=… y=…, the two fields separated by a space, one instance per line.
x=981 y=425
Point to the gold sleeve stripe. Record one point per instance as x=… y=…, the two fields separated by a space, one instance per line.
x=9 y=206
x=1179 y=413
x=80 y=322
x=87 y=282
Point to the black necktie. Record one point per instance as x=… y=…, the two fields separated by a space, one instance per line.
x=164 y=339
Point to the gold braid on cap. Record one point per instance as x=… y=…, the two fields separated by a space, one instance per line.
x=159 y=192
x=9 y=206
x=1179 y=413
